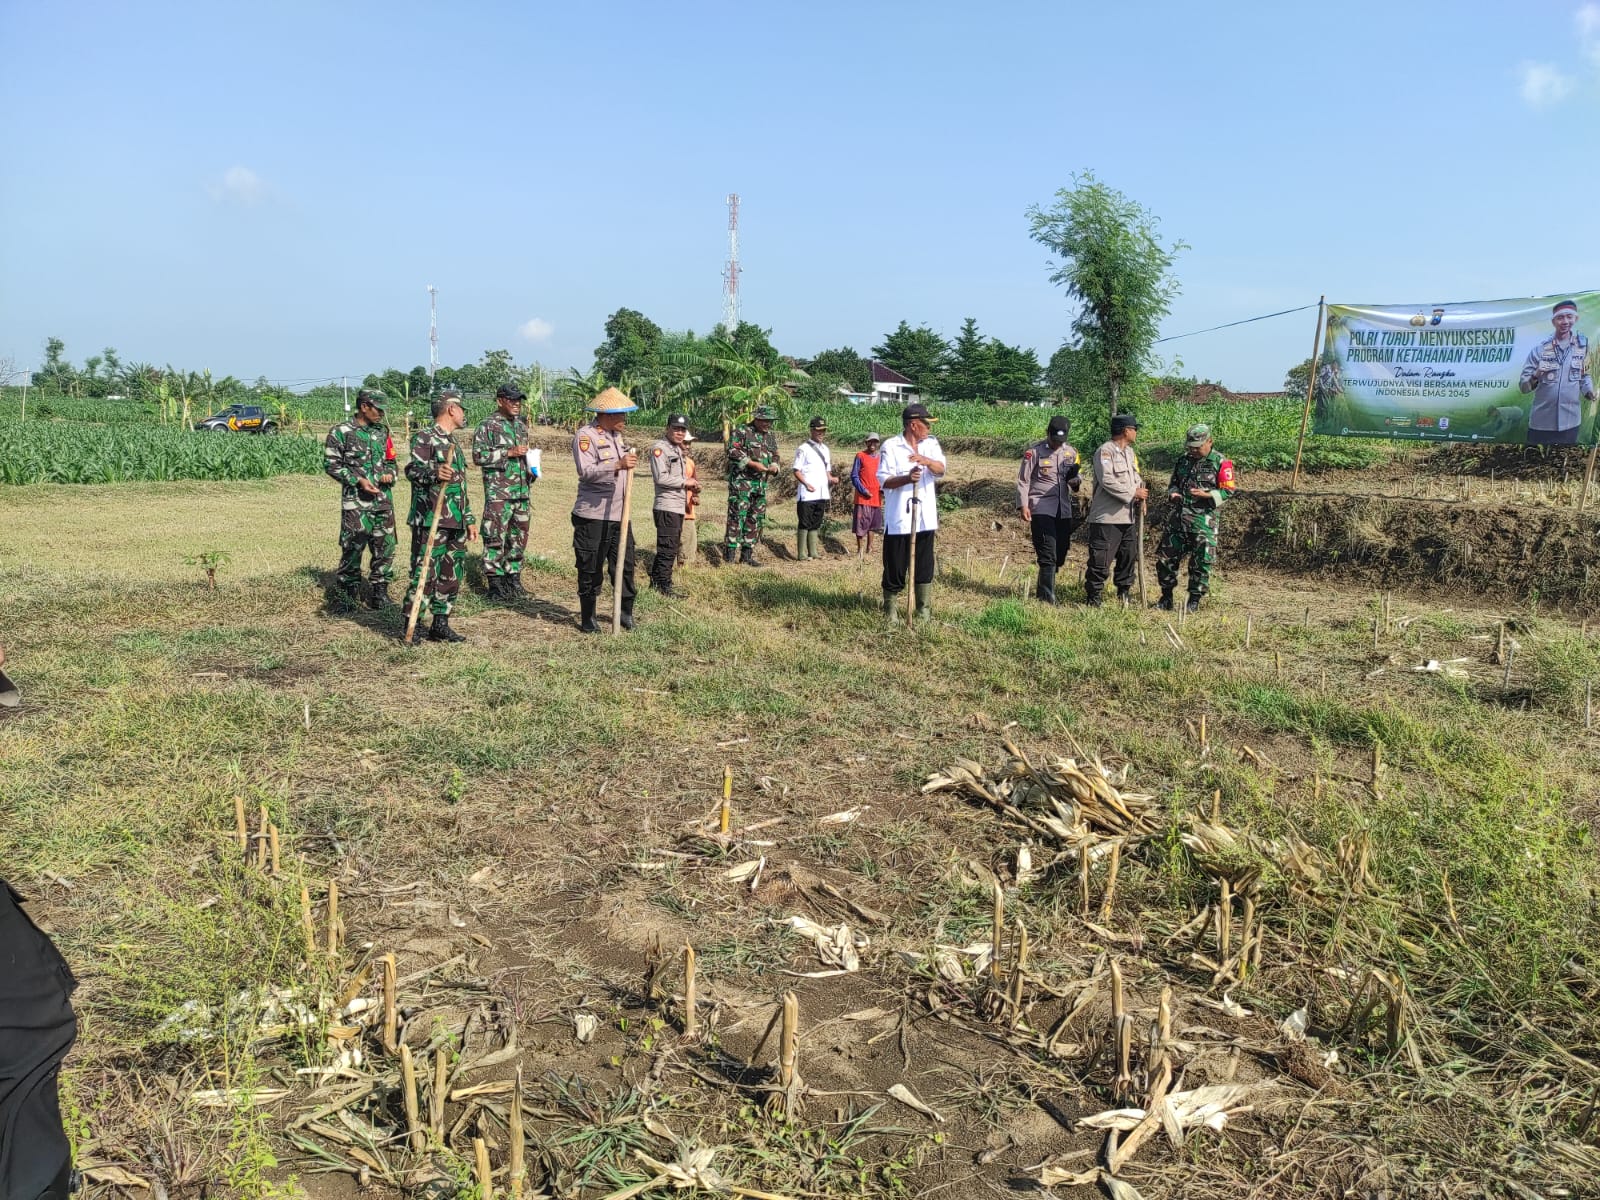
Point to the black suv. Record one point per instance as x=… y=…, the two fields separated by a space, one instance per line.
x=239 y=418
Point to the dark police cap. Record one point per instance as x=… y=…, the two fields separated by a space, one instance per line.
x=1059 y=428
x=914 y=412
x=509 y=391
x=1123 y=422
x=677 y=421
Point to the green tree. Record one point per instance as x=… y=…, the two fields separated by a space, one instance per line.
x=632 y=343
x=971 y=365
x=821 y=387
x=1113 y=265
x=1298 y=379
x=919 y=354
x=1013 y=374
x=843 y=365
x=56 y=374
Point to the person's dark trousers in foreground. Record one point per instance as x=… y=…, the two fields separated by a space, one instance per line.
x=1108 y=544
x=1554 y=437
x=37 y=1027
x=669 y=537
x=897 y=559
x=1052 y=538
x=594 y=545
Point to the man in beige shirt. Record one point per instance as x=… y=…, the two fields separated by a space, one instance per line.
x=1118 y=491
x=603 y=463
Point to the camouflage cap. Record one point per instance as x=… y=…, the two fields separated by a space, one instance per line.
x=450 y=392
x=371 y=396
x=764 y=412
x=1198 y=435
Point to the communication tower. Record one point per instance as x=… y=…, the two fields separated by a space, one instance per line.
x=730 y=273
x=433 y=335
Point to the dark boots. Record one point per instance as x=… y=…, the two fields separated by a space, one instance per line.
x=1165 y=603
x=627 y=614
x=1193 y=606
x=1046 y=588
x=727 y=555
x=586 y=615
x=747 y=556
x=441 y=631
x=379 y=600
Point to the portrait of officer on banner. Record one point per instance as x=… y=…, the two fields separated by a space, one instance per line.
x=1557 y=373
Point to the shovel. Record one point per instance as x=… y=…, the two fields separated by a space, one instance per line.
x=10 y=697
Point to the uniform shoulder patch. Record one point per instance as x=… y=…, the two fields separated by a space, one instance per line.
x=657 y=452
x=583 y=443
x=1027 y=453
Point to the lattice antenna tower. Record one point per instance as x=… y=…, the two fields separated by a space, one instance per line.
x=433 y=335
x=730 y=273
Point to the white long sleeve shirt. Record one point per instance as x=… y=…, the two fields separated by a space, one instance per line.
x=894 y=458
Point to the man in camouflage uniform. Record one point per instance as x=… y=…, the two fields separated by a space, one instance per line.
x=752 y=462
x=360 y=454
x=500 y=450
x=1201 y=481
x=436 y=462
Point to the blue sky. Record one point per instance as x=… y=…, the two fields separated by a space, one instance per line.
x=268 y=189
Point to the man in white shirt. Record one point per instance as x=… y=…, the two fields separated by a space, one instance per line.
x=909 y=467
x=813 y=475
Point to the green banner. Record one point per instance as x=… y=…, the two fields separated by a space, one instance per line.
x=1481 y=371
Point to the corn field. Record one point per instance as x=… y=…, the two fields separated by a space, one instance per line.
x=1258 y=434
x=59 y=452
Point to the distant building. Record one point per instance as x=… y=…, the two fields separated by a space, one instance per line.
x=891 y=387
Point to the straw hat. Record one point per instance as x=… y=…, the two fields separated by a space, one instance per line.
x=612 y=401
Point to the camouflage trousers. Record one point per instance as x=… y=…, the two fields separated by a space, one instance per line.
x=1196 y=537
x=362 y=530
x=504 y=530
x=446 y=569
x=747 y=513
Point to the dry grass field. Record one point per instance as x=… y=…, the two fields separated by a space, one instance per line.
x=529 y=823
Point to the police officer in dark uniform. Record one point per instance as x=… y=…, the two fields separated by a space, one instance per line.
x=37 y=1028
x=1047 y=483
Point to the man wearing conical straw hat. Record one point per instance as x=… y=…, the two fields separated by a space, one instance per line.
x=603 y=463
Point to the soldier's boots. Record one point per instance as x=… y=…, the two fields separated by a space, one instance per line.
x=747 y=556
x=626 y=621
x=379 y=599
x=1124 y=595
x=891 y=609
x=500 y=588
x=514 y=586
x=1165 y=603
x=924 y=601
x=1092 y=599
x=727 y=554
x=345 y=597
x=586 y=615
x=1193 y=606
x=441 y=631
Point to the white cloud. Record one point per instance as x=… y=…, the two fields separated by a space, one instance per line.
x=536 y=329
x=1543 y=84
x=1587 y=19
x=239 y=185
